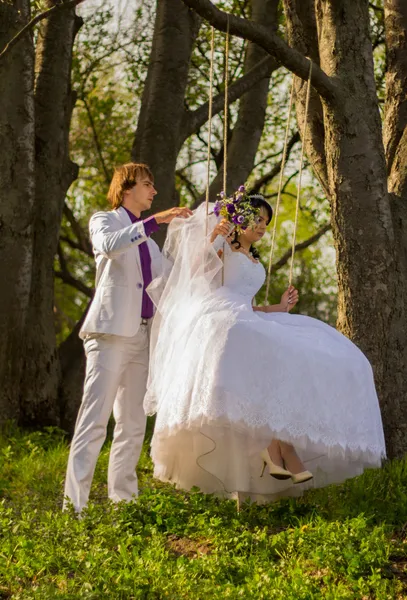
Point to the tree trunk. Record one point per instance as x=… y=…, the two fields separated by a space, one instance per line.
x=157 y=140
x=161 y=130
x=302 y=34
x=396 y=80
x=54 y=174
x=249 y=126
x=156 y=143
x=361 y=217
x=16 y=200
x=395 y=140
x=73 y=363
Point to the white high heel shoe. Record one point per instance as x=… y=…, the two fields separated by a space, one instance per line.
x=274 y=470
x=301 y=477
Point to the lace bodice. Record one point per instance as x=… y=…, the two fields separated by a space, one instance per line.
x=241 y=275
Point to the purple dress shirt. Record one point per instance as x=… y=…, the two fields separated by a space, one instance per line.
x=150 y=225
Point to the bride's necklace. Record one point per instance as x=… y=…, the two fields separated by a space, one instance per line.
x=247 y=253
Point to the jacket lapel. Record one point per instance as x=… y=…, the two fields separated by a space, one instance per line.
x=122 y=216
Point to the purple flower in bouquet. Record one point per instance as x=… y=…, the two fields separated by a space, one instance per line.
x=238 y=219
x=236 y=209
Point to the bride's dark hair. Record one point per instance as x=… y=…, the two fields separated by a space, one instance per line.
x=258 y=201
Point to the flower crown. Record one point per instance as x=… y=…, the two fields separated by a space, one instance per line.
x=238 y=209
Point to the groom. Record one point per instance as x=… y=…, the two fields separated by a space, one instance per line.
x=116 y=336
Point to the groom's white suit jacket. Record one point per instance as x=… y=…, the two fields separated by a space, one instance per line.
x=116 y=306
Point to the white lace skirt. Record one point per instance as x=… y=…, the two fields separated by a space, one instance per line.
x=235 y=379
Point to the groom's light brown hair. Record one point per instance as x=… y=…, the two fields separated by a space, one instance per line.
x=124 y=178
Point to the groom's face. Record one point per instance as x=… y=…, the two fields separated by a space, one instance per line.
x=142 y=194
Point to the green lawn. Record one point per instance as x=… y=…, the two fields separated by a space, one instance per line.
x=346 y=541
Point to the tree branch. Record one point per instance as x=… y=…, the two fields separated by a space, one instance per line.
x=193 y=120
x=271 y=42
x=287 y=181
x=60 y=315
x=276 y=169
x=106 y=173
x=301 y=246
x=81 y=236
x=189 y=185
x=268 y=157
x=35 y=20
x=66 y=276
x=69 y=279
x=74 y=245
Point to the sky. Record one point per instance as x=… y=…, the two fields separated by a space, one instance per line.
x=121 y=7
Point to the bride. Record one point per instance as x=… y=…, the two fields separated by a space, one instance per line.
x=237 y=387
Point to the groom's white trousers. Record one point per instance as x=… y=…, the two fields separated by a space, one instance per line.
x=116 y=378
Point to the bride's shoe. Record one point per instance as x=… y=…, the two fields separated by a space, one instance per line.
x=274 y=470
x=301 y=477
x=290 y=455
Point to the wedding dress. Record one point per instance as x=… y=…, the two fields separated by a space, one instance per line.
x=225 y=380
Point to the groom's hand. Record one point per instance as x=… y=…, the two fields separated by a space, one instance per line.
x=166 y=216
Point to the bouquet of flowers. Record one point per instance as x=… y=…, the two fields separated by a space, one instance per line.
x=237 y=209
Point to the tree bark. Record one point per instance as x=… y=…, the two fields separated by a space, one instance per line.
x=73 y=364
x=162 y=128
x=396 y=81
x=16 y=200
x=194 y=120
x=157 y=142
x=54 y=173
x=249 y=126
x=361 y=218
x=271 y=42
x=302 y=35
x=395 y=140
x=356 y=184
x=28 y=27
x=159 y=128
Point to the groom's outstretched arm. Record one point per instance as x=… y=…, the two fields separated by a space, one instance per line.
x=110 y=241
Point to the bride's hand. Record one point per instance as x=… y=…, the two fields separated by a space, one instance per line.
x=224 y=228
x=289 y=299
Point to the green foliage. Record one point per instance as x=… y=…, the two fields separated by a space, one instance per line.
x=377 y=33
x=344 y=541
x=109 y=66
x=314 y=271
x=111 y=59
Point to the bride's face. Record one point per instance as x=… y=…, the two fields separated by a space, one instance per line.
x=254 y=234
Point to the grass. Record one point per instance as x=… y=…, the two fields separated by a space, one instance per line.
x=341 y=542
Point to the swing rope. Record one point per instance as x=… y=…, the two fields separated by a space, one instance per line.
x=226 y=109
x=297 y=206
x=283 y=160
x=225 y=131
x=280 y=187
x=280 y=184
x=208 y=165
x=225 y=120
